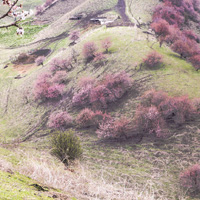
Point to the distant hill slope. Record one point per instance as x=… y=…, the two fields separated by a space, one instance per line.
x=57 y=10
x=90 y=7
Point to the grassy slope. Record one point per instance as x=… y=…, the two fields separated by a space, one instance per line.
x=154 y=163
x=19 y=187
x=141 y=9
x=63 y=24
x=137 y=162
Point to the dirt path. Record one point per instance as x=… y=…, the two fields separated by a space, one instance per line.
x=121 y=6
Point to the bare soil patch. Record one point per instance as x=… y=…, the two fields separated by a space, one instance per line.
x=22 y=69
x=29 y=58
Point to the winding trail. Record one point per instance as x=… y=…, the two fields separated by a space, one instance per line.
x=121 y=6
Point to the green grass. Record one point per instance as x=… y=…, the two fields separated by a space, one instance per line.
x=141 y=9
x=18 y=187
x=8 y=37
x=156 y=162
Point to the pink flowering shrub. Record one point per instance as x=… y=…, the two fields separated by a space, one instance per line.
x=55 y=91
x=58 y=64
x=168 y=13
x=191 y=35
x=118 y=128
x=44 y=88
x=153 y=60
x=59 y=77
x=183 y=47
x=106 y=44
x=177 y=109
x=162 y=29
x=149 y=121
x=41 y=86
x=99 y=57
x=85 y=81
x=190 y=178
x=100 y=117
x=100 y=94
x=153 y=97
x=118 y=83
x=195 y=60
x=172 y=109
x=88 y=118
x=40 y=60
x=85 y=118
x=82 y=97
x=89 y=50
x=60 y=120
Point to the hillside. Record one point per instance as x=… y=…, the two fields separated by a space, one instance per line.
x=139 y=166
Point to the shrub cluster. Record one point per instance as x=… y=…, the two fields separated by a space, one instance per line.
x=66 y=146
x=88 y=118
x=115 y=128
x=60 y=120
x=48 y=86
x=176 y=109
x=149 y=121
x=85 y=81
x=168 y=21
x=153 y=60
x=157 y=110
x=190 y=178
x=59 y=64
x=90 y=50
x=99 y=95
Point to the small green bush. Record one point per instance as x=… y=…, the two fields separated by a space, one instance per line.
x=66 y=146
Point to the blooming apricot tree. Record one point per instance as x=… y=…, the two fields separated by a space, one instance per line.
x=15 y=11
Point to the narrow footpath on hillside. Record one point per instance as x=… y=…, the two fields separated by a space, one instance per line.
x=121 y=6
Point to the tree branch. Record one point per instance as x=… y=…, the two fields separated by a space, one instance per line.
x=6 y=14
x=9 y=25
